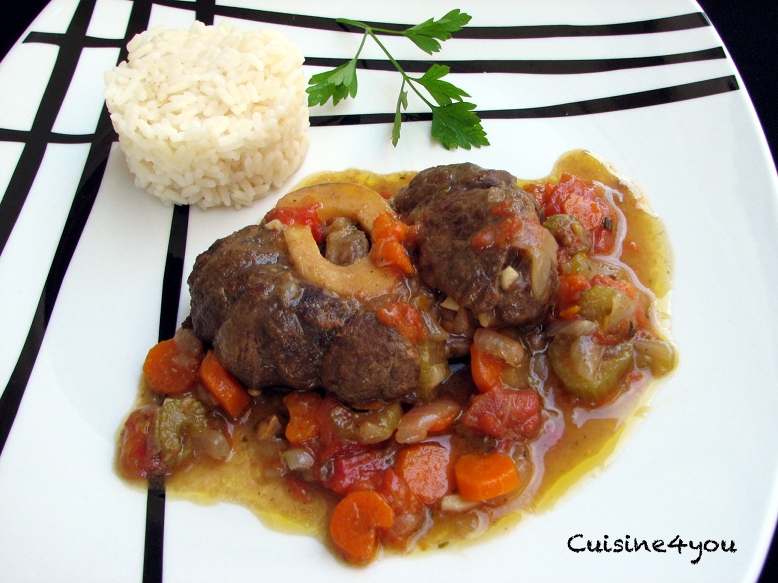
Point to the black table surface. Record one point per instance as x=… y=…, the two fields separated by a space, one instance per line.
x=749 y=29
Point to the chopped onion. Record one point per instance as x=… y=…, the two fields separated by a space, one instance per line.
x=660 y=354
x=415 y=424
x=540 y=270
x=622 y=309
x=571 y=328
x=455 y=503
x=370 y=432
x=275 y=225
x=435 y=330
x=212 y=443
x=499 y=345
x=450 y=304
x=269 y=428
x=486 y=318
x=585 y=356
x=297 y=459
x=188 y=343
x=507 y=277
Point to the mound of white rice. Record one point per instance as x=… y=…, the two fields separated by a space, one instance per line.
x=210 y=116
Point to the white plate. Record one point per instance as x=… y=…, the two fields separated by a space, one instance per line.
x=81 y=285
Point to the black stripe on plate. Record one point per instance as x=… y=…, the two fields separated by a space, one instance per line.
x=667 y=24
x=91 y=178
x=532 y=67
x=153 y=553
x=35 y=143
x=91 y=42
x=15 y=196
x=648 y=98
x=53 y=138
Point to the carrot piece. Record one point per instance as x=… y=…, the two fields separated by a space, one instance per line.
x=354 y=522
x=486 y=369
x=230 y=394
x=166 y=374
x=426 y=467
x=481 y=476
x=303 y=416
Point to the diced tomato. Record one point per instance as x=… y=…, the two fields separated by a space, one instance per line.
x=399 y=495
x=405 y=318
x=498 y=234
x=387 y=244
x=569 y=292
x=408 y=509
x=504 y=412
x=136 y=460
x=306 y=215
x=588 y=212
x=330 y=443
x=583 y=200
x=385 y=226
x=361 y=470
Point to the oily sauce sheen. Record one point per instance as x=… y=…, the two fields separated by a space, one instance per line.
x=577 y=438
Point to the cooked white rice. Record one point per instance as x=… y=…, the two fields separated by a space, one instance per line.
x=210 y=116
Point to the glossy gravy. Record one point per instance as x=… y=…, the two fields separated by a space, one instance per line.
x=576 y=440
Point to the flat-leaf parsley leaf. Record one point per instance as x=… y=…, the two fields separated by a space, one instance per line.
x=454 y=121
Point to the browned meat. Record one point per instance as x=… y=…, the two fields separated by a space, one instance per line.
x=472 y=224
x=367 y=357
x=270 y=328
x=346 y=243
x=279 y=337
x=252 y=258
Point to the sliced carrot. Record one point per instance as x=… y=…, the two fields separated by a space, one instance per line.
x=303 y=416
x=354 y=522
x=230 y=394
x=167 y=374
x=426 y=467
x=481 y=476
x=486 y=369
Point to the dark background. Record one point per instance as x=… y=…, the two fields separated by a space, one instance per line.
x=749 y=29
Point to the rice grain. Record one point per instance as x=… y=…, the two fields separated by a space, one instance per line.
x=210 y=116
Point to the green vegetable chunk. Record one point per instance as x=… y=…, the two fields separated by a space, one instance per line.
x=588 y=369
x=569 y=233
x=177 y=420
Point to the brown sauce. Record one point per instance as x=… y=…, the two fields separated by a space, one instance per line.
x=577 y=439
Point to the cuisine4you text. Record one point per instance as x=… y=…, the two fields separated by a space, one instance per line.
x=628 y=544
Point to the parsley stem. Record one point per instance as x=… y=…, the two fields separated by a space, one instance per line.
x=406 y=79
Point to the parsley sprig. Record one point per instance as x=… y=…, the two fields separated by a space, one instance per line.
x=454 y=121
